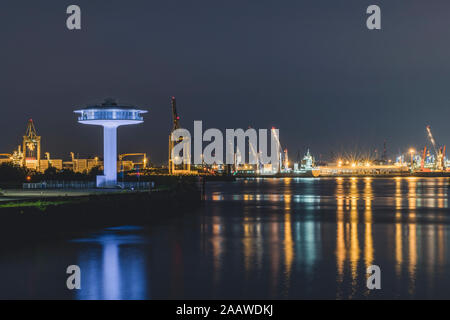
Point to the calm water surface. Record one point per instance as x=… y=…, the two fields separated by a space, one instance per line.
x=262 y=238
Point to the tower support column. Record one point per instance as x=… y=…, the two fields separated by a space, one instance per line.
x=109 y=178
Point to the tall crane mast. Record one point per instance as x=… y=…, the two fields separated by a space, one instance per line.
x=175 y=116
x=439 y=152
x=176 y=125
x=31 y=145
x=422 y=163
x=433 y=142
x=256 y=155
x=175 y=121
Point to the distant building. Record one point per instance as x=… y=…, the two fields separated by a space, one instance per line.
x=28 y=155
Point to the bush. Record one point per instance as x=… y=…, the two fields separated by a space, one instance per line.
x=11 y=173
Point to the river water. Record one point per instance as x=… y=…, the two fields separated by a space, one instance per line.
x=290 y=238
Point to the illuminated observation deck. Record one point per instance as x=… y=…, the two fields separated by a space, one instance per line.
x=110 y=116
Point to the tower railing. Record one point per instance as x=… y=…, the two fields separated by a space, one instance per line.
x=110 y=115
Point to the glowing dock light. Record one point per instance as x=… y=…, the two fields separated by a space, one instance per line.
x=110 y=116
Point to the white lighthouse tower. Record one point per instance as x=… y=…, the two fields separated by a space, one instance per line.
x=110 y=115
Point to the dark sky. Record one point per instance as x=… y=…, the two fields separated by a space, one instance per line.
x=310 y=68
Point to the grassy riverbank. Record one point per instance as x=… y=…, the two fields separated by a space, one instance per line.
x=40 y=204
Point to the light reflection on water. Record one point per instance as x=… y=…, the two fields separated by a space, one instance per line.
x=266 y=238
x=389 y=207
x=431 y=194
x=113 y=265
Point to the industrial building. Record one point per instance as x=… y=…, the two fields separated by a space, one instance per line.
x=29 y=155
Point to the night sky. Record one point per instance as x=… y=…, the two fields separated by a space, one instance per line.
x=310 y=68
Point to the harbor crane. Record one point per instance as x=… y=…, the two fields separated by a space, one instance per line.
x=144 y=160
x=176 y=118
x=424 y=155
x=433 y=142
x=439 y=151
x=31 y=145
x=257 y=157
x=176 y=125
